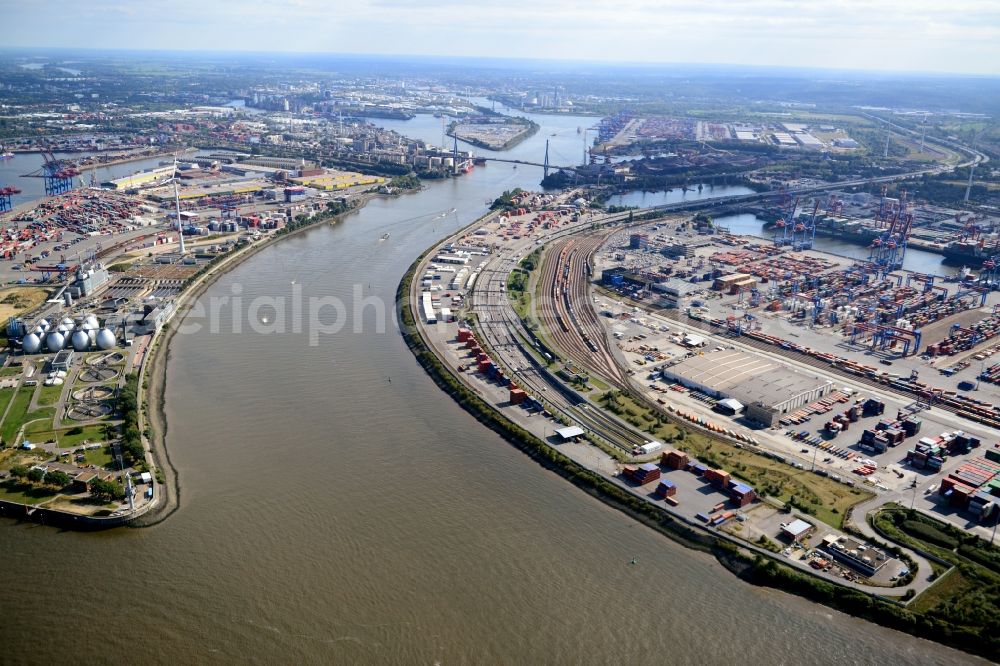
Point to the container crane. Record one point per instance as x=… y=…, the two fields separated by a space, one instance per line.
x=784 y=225
x=889 y=249
x=57 y=174
x=5 y=197
x=804 y=233
x=988 y=275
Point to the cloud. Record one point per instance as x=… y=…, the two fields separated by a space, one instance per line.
x=958 y=35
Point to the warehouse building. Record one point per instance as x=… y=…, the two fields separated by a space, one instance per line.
x=686 y=247
x=673 y=290
x=734 y=283
x=748 y=378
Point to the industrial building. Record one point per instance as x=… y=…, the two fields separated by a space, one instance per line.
x=734 y=283
x=673 y=291
x=749 y=378
x=864 y=558
x=140 y=178
x=88 y=280
x=797 y=530
x=286 y=163
x=335 y=180
x=685 y=247
x=63 y=360
x=215 y=190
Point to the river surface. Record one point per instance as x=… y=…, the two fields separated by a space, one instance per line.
x=13 y=172
x=337 y=507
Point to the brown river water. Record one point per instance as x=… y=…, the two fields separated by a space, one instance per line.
x=336 y=507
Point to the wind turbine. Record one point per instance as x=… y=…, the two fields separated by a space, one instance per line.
x=177 y=201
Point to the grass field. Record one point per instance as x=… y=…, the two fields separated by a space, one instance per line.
x=100 y=457
x=49 y=395
x=6 y=395
x=952 y=584
x=71 y=437
x=819 y=496
x=19 y=416
x=24 y=493
x=16 y=300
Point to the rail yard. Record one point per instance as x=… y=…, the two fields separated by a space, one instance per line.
x=616 y=339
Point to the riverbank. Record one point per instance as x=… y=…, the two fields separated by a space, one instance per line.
x=528 y=443
x=152 y=403
x=750 y=564
x=530 y=128
x=86 y=166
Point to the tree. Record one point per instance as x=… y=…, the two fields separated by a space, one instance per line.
x=57 y=479
x=132 y=449
x=36 y=475
x=18 y=471
x=107 y=490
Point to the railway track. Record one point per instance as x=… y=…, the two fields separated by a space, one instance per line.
x=566 y=315
x=501 y=329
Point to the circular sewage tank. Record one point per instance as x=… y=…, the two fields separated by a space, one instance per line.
x=93 y=394
x=98 y=374
x=86 y=411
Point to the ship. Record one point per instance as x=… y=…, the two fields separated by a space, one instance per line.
x=385 y=236
x=968 y=253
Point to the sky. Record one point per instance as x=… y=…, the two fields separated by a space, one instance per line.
x=885 y=35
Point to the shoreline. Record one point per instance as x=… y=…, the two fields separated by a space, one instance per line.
x=151 y=408
x=529 y=131
x=751 y=566
x=152 y=388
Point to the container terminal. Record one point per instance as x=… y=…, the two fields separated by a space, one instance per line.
x=851 y=374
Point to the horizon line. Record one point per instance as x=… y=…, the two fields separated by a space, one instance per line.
x=509 y=59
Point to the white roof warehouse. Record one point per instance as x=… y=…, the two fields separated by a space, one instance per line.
x=748 y=378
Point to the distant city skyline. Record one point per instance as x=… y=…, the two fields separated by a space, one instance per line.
x=962 y=36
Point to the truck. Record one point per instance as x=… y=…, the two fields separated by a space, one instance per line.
x=647 y=448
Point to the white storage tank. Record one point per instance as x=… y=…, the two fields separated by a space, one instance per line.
x=81 y=341
x=55 y=341
x=105 y=339
x=31 y=343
